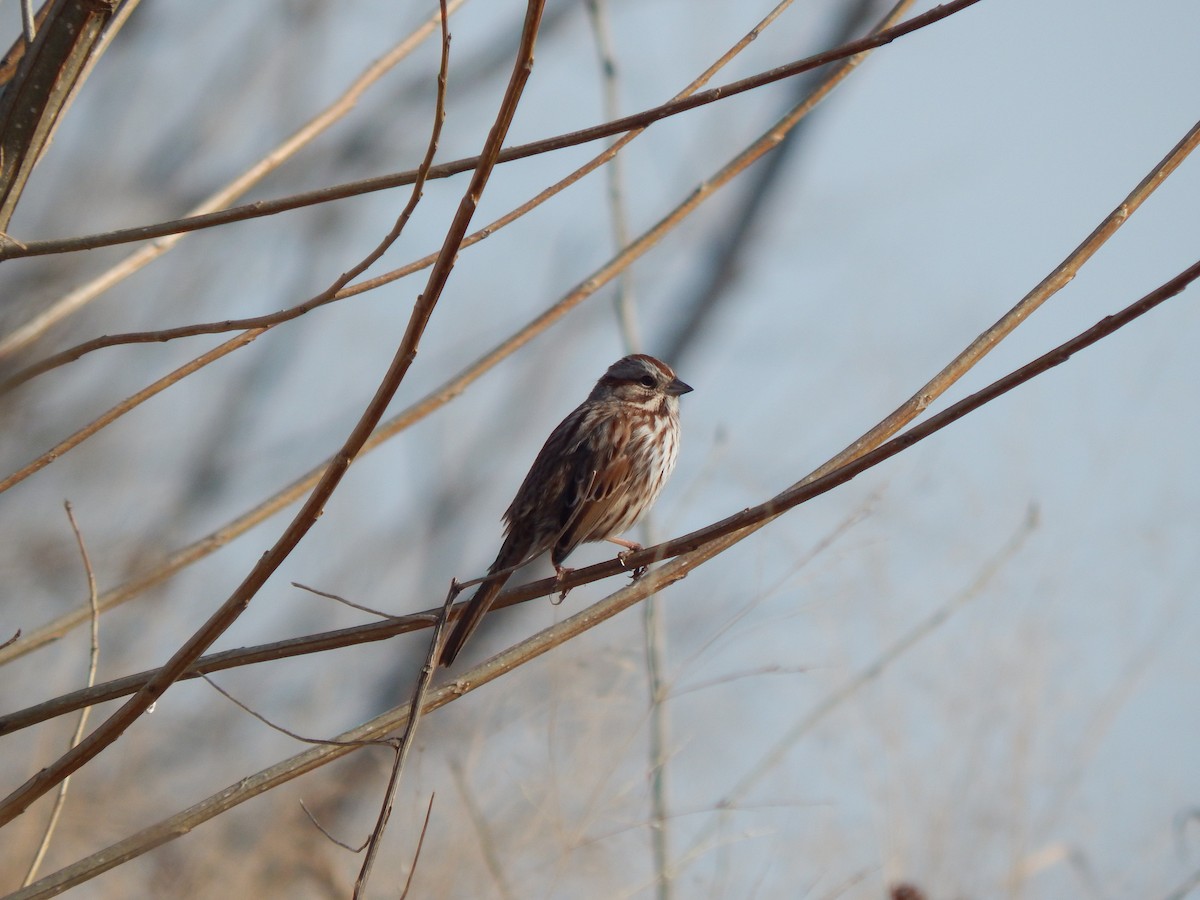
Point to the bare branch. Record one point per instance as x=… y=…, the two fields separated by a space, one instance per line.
x=115 y=725
x=32 y=102
x=280 y=154
x=459 y=383
x=632 y=124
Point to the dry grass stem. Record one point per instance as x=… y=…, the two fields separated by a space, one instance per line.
x=342 y=600
x=93 y=662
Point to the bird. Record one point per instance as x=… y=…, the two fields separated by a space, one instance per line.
x=601 y=468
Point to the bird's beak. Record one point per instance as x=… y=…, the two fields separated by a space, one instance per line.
x=677 y=387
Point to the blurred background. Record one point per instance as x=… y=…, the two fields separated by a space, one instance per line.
x=1035 y=738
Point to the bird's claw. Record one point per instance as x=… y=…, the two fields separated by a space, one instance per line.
x=560 y=575
x=623 y=559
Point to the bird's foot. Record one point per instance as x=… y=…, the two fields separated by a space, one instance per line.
x=560 y=575
x=623 y=558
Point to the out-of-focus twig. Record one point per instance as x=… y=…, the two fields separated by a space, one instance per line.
x=898 y=648
x=722 y=262
x=483 y=832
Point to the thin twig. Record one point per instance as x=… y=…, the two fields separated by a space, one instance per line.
x=302 y=137
x=731 y=677
x=342 y=600
x=415 y=704
x=112 y=728
x=321 y=828
x=412 y=869
x=93 y=662
x=277 y=727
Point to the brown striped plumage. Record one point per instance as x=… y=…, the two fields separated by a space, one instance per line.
x=598 y=472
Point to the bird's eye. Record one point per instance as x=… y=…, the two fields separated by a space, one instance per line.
x=647 y=381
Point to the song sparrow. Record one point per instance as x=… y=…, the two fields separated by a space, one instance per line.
x=599 y=471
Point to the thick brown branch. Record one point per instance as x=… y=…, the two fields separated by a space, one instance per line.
x=45 y=78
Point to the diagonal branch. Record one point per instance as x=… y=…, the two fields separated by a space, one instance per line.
x=633 y=125
x=630 y=122
x=228 y=612
x=45 y=78
x=285 y=150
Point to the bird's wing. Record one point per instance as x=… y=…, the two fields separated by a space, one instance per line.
x=600 y=471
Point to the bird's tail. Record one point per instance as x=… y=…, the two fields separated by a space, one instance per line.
x=511 y=555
